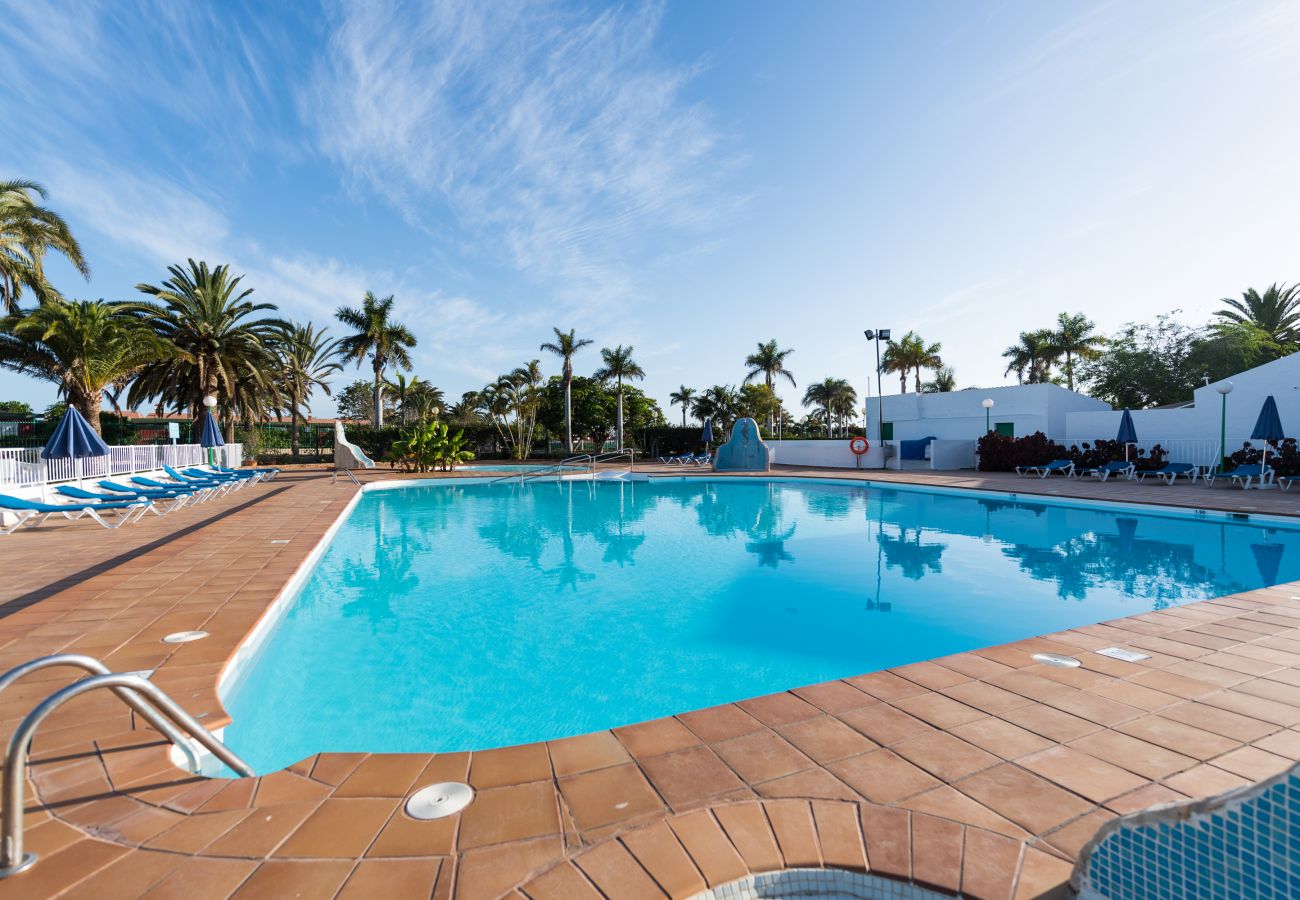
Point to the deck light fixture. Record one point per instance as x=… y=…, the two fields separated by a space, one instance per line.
x=878 y=335
x=988 y=406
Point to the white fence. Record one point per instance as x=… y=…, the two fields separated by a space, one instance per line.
x=1198 y=452
x=23 y=467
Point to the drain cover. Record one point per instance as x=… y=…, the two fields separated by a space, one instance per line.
x=1057 y=659
x=1122 y=654
x=438 y=801
x=184 y=637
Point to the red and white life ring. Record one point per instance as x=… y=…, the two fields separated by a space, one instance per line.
x=859 y=445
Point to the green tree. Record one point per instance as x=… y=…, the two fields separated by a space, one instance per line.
x=84 y=347
x=16 y=408
x=760 y=403
x=403 y=389
x=377 y=336
x=1222 y=351
x=769 y=361
x=307 y=358
x=1030 y=357
x=721 y=403
x=1276 y=312
x=619 y=367
x=355 y=403
x=682 y=396
x=911 y=354
x=835 y=401
x=1144 y=365
x=944 y=380
x=565 y=345
x=221 y=346
x=28 y=232
x=1074 y=338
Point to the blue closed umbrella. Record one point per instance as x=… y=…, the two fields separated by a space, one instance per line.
x=211 y=436
x=1127 y=433
x=73 y=438
x=707 y=437
x=1268 y=427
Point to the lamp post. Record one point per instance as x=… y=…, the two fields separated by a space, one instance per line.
x=878 y=335
x=210 y=402
x=1224 y=390
x=988 y=407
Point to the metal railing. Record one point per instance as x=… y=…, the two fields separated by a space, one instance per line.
x=558 y=468
x=134 y=691
x=25 y=467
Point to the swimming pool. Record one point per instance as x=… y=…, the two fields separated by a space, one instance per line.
x=450 y=616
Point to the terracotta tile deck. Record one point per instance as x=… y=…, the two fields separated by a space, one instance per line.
x=982 y=772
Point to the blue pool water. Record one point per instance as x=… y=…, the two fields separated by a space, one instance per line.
x=454 y=617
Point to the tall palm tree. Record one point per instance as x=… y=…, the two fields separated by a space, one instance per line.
x=1276 y=312
x=1030 y=357
x=221 y=347
x=911 y=354
x=376 y=335
x=769 y=361
x=564 y=346
x=307 y=358
x=619 y=367
x=85 y=347
x=721 y=403
x=835 y=401
x=29 y=231
x=682 y=395
x=426 y=401
x=1074 y=338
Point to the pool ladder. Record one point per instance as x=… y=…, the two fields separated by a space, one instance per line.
x=144 y=697
x=563 y=464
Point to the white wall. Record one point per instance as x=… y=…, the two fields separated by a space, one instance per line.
x=833 y=454
x=959 y=415
x=1279 y=379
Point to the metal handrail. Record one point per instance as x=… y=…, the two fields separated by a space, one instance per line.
x=12 y=858
x=554 y=467
x=95 y=667
x=348 y=472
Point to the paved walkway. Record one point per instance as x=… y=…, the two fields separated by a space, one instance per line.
x=983 y=772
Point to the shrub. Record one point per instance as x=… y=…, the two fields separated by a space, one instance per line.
x=999 y=453
x=1283 y=457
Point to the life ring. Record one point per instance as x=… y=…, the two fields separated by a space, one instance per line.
x=859 y=445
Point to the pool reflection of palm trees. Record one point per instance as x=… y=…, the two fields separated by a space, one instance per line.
x=754 y=514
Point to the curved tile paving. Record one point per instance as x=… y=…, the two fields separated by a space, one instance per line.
x=982 y=772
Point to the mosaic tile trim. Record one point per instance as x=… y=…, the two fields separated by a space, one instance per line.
x=1242 y=843
x=825 y=884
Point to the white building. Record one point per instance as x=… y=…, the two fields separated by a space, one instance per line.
x=960 y=415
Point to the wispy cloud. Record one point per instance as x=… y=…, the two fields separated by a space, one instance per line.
x=556 y=138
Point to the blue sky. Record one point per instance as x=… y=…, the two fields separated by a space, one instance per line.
x=688 y=178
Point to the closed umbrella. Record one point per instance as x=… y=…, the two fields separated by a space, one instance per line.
x=1268 y=427
x=211 y=436
x=1127 y=433
x=74 y=439
x=707 y=437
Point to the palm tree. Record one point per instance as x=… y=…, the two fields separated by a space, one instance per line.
x=376 y=335
x=911 y=354
x=1073 y=338
x=85 y=347
x=683 y=396
x=835 y=401
x=307 y=358
x=28 y=232
x=425 y=400
x=719 y=403
x=944 y=381
x=221 y=348
x=1276 y=312
x=403 y=389
x=768 y=361
x=564 y=346
x=1030 y=358
x=619 y=366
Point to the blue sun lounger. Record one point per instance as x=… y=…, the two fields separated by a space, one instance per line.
x=26 y=510
x=1114 y=467
x=193 y=477
x=174 y=502
x=1170 y=472
x=196 y=472
x=266 y=473
x=1064 y=466
x=196 y=493
x=1244 y=475
x=218 y=487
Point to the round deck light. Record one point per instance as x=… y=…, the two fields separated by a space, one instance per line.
x=184 y=637
x=437 y=801
x=1060 y=660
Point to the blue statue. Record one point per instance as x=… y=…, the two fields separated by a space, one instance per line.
x=745 y=452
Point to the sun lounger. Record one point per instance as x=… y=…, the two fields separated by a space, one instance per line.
x=196 y=493
x=1170 y=472
x=156 y=506
x=1064 y=466
x=1286 y=480
x=676 y=458
x=266 y=473
x=1114 y=467
x=194 y=477
x=1244 y=475
x=703 y=459
x=200 y=472
x=26 y=510
x=220 y=487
